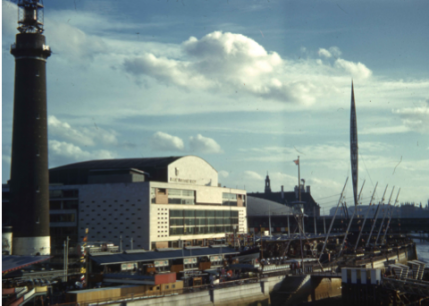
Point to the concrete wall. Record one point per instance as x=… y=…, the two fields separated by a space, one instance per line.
x=112 y=210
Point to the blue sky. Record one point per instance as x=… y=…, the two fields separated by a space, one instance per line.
x=246 y=85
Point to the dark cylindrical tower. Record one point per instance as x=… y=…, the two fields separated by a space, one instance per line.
x=29 y=180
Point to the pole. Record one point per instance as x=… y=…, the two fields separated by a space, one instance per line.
x=132 y=246
x=324 y=225
x=299 y=181
x=375 y=217
x=269 y=217
x=288 y=226
x=351 y=220
x=347 y=231
x=390 y=215
x=303 y=225
x=64 y=260
x=67 y=258
x=333 y=219
x=384 y=215
x=366 y=215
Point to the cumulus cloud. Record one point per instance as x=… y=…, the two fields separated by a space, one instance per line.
x=233 y=62
x=82 y=135
x=61 y=152
x=324 y=53
x=165 y=142
x=356 y=70
x=225 y=61
x=416 y=118
x=201 y=144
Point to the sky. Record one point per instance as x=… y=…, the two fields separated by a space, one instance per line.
x=246 y=85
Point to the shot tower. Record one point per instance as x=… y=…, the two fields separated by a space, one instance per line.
x=29 y=179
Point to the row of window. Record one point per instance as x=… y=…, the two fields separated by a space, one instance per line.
x=203 y=221
x=190 y=213
x=195 y=230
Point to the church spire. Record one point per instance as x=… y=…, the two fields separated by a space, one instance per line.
x=267 y=184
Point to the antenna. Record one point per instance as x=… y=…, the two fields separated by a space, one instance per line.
x=30 y=16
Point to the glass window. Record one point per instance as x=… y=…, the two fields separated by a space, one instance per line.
x=188 y=230
x=210 y=229
x=211 y=221
x=200 y=230
x=201 y=221
x=219 y=229
x=210 y=213
x=176 y=213
x=190 y=221
x=176 y=231
x=219 y=221
x=200 y=213
x=189 y=213
x=234 y=213
x=178 y=221
x=219 y=213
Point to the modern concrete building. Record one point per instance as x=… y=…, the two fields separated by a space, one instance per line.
x=143 y=203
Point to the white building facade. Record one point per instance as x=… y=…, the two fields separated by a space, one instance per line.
x=186 y=208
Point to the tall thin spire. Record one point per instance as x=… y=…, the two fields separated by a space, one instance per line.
x=354 y=147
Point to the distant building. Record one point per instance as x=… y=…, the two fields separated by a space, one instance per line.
x=156 y=202
x=287 y=198
x=407 y=210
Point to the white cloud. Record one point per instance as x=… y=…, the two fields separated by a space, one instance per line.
x=252 y=175
x=165 y=142
x=415 y=119
x=83 y=135
x=203 y=144
x=73 y=44
x=358 y=71
x=325 y=53
x=232 y=63
x=223 y=173
x=335 y=51
x=227 y=61
x=61 y=152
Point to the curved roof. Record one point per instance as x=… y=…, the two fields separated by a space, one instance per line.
x=77 y=173
x=261 y=207
x=138 y=163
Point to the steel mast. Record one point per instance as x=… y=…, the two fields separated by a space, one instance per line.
x=384 y=215
x=375 y=217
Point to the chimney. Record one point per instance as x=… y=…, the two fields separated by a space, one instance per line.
x=308 y=189
x=296 y=192
x=283 y=194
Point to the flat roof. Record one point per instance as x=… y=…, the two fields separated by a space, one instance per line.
x=111 y=259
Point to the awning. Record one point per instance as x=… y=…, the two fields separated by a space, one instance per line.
x=14 y=262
